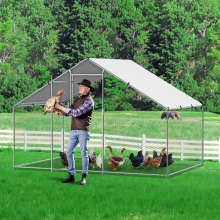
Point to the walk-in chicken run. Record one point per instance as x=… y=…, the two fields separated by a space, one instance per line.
x=163 y=140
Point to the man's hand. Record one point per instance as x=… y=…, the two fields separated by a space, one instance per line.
x=60 y=107
x=57 y=106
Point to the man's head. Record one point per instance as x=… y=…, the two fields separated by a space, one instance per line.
x=85 y=87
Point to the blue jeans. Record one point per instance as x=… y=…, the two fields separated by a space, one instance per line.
x=81 y=137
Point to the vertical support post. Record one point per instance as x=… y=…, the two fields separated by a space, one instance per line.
x=181 y=150
x=71 y=88
x=61 y=144
x=63 y=134
x=103 y=122
x=202 y=135
x=14 y=108
x=143 y=144
x=51 y=159
x=167 y=167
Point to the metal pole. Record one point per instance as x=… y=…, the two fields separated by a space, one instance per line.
x=143 y=144
x=86 y=74
x=202 y=135
x=14 y=137
x=71 y=88
x=167 y=168
x=51 y=159
x=63 y=133
x=103 y=124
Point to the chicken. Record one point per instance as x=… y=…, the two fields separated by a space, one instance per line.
x=136 y=160
x=116 y=161
x=63 y=158
x=164 y=159
x=49 y=106
x=154 y=162
x=145 y=160
x=92 y=158
x=99 y=161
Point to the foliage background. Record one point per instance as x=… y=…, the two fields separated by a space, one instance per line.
x=178 y=40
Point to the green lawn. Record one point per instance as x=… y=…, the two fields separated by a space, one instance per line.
x=41 y=159
x=37 y=194
x=128 y=123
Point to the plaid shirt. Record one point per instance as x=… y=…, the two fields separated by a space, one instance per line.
x=85 y=107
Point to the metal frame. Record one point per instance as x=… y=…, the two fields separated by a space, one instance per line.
x=103 y=171
x=167 y=118
x=203 y=135
x=103 y=121
x=71 y=80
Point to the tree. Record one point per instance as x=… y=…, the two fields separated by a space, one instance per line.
x=84 y=31
x=130 y=32
x=27 y=46
x=117 y=95
x=14 y=87
x=177 y=29
x=212 y=81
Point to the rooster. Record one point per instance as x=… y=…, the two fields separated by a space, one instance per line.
x=136 y=160
x=115 y=161
x=49 y=106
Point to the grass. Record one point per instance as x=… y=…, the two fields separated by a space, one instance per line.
x=34 y=194
x=39 y=194
x=41 y=159
x=128 y=123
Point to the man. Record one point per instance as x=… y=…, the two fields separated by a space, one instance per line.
x=81 y=113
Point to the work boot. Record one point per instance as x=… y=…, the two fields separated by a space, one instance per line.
x=69 y=179
x=83 y=181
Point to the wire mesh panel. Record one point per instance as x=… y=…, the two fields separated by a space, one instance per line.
x=133 y=131
x=127 y=141
x=42 y=133
x=34 y=136
x=152 y=142
x=44 y=136
x=185 y=139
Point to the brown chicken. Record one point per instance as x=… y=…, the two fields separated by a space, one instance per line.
x=154 y=163
x=115 y=161
x=49 y=106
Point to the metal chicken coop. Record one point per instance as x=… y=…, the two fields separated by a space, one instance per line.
x=39 y=138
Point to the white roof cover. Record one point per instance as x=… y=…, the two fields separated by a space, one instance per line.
x=128 y=71
x=147 y=83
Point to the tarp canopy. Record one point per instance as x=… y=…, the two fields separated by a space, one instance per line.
x=127 y=71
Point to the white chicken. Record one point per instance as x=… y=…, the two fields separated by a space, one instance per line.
x=99 y=161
